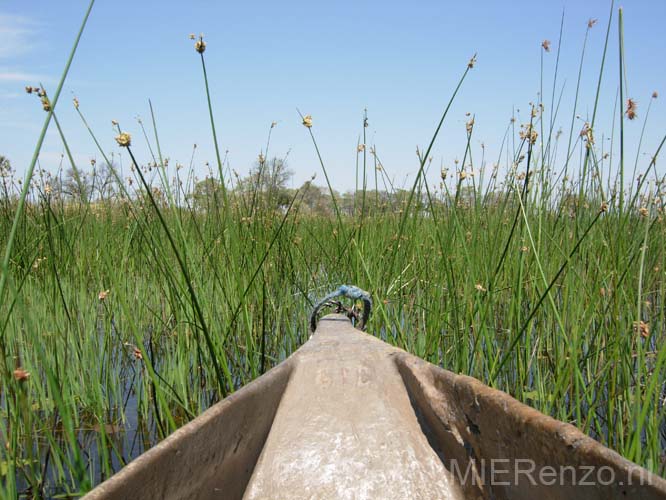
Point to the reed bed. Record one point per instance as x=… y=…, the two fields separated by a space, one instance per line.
x=130 y=310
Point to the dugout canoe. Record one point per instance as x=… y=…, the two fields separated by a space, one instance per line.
x=348 y=416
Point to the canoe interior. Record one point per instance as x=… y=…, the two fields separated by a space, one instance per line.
x=348 y=416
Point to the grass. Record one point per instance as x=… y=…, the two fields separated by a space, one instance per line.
x=126 y=314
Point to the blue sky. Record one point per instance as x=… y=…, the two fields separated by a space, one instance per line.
x=399 y=60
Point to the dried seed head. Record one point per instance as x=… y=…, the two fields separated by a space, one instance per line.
x=591 y=22
x=200 y=45
x=21 y=375
x=472 y=62
x=360 y=148
x=76 y=103
x=480 y=287
x=307 y=121
x=46 y=104
x=29 y=89
x=193 y=36
x=124 y=139
x=587 y=134
x=546 y=45
x=642 y=328
x=643 y=211
x=469 y=125
x=103 y=294
x=604 y=207
x=631 y=109
x=655 y=94
x=529 y=133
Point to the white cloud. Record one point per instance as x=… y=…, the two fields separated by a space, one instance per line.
x=17 y=35
x=8 y=75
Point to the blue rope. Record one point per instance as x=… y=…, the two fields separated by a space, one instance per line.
x=349 y=291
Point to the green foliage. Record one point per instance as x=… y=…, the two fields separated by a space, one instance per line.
x=127 y=307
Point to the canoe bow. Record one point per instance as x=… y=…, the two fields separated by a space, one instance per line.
x=348 y=416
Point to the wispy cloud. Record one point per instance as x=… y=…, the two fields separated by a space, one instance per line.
x=9 y=75
x=17 y=35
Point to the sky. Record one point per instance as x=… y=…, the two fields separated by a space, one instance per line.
x=265 y=60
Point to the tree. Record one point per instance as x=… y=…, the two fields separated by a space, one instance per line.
x=5 y=174
x=77 y=185
x=266 y=184
x=206 y=194
x=316 y=199
x=105 y=181
x=271 y=175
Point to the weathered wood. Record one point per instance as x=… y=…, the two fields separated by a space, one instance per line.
x=348 y=416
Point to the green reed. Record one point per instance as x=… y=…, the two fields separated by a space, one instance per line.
x=125 y=316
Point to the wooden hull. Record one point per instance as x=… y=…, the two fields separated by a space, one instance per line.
x=348 y=416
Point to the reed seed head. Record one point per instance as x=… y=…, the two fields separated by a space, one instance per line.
x=631 y=109
x=21 y=375
x=200 y=45
x=528 y=132
x=76 y=103
x=307 y=121
x=642 y=328
x=124 y=139
x=546 y=45
x=591 y=22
